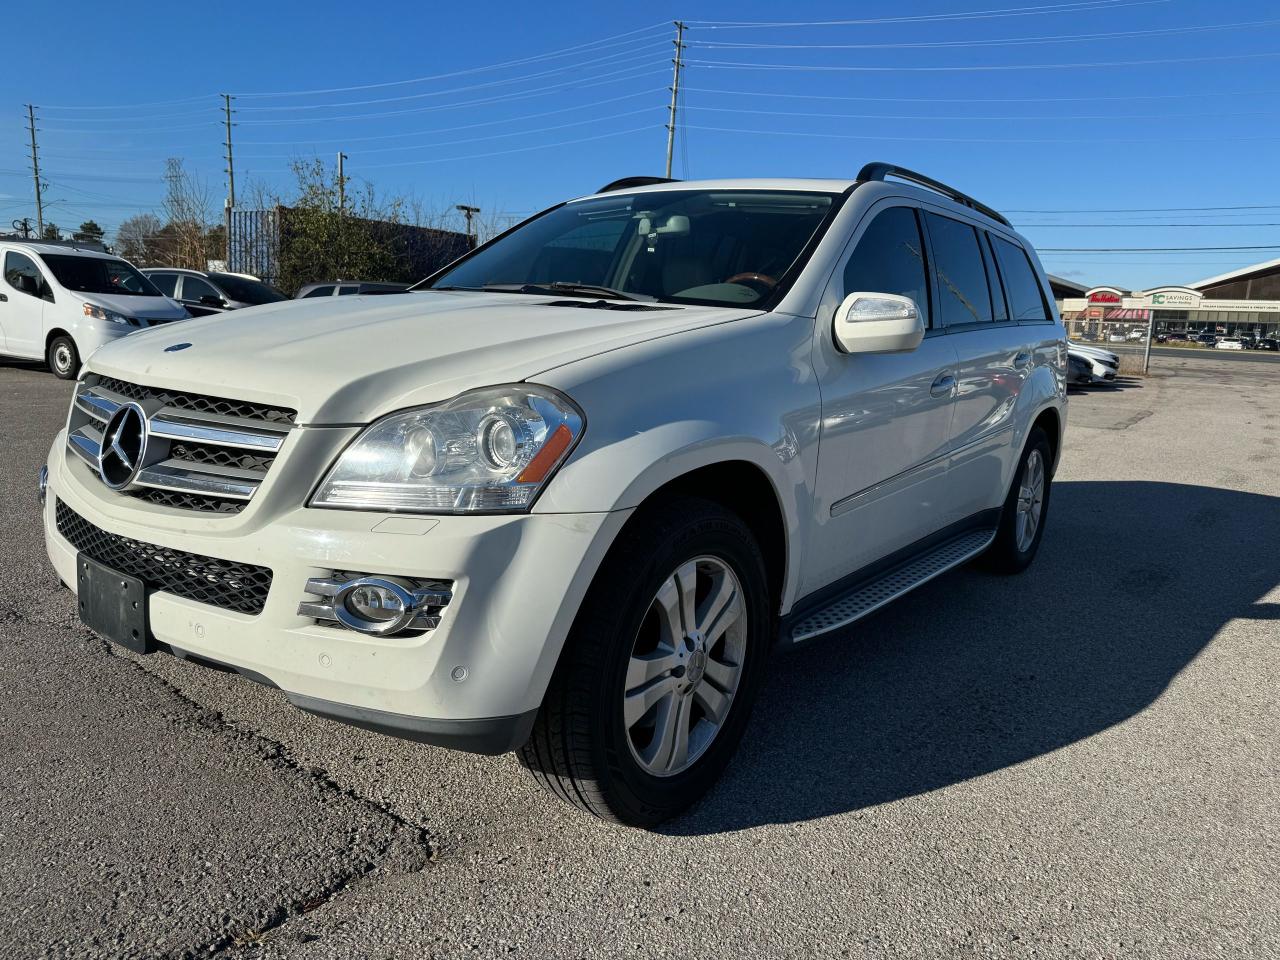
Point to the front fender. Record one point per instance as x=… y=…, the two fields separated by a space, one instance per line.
x=739 y=392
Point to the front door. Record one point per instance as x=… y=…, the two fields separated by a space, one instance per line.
x=886 y=418
x=22 y=310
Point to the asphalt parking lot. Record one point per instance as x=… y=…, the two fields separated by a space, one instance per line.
x=1078 y=762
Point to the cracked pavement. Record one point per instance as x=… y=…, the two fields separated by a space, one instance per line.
x=1078 y=762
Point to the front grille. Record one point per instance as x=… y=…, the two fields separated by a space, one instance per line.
x=198 y=402
x=190 y=501
x=204 y=454
x=212 y=456
x=242 y=587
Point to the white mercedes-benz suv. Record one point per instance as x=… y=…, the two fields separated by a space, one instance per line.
x=568 y=495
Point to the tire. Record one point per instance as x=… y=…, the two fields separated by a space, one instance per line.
x=1012 y=550
x=596 y=742
x=63 y=357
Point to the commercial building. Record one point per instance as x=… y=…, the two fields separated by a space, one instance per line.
x=1245 y=301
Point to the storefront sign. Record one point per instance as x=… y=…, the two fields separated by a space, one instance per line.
x=1104 y=296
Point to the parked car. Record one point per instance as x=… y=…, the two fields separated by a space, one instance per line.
x=1079 y=370
x=1103 y=366
x=1112 y=359
x=1116 y=338
x=1207 y=339
x=1135 y=336
x=1269 y=343
x=60 y=303
x=1230 y=343
x=571 y=513
x=342 y=288
x=205 y=293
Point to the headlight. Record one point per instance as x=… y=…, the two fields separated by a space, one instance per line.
x=487 y=451
x=102 y=313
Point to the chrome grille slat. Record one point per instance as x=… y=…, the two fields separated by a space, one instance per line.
x=165 y=477
x=221 y=431
x=202 y=453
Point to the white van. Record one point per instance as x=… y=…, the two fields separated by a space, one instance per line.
x=61 y=303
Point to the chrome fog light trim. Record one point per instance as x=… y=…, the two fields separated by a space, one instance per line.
x=42 y=484
x=407 y=604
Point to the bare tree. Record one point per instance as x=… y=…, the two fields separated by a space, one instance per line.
x=138 y=239
x=186 y=207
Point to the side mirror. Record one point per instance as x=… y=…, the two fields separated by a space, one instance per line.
x=209 y=300
x=878 y=323
x=27 y=284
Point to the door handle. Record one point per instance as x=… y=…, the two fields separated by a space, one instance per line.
x=942 y=385
x=1022 y=359
x=4 y=298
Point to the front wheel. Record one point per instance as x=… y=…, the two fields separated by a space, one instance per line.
x=1026 y=508
x=63 y=358
x=660 y=670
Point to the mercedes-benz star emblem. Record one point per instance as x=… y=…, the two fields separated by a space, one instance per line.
x=124 y=446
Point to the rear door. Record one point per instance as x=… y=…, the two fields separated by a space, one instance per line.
x=881 y=479
x=993 y=360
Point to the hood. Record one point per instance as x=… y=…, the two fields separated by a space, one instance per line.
x=351 y=359
x=148 y=308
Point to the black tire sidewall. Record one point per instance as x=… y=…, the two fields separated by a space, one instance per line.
x=635 y=794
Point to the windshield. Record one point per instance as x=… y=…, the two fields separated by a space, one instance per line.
x=722 y=247
x=98 y=275
x=246 y=290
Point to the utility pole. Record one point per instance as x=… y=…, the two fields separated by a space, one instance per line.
x=675 y=93
x=231 y=178
x=469 y=212
x=35 y=170
x=342 y=183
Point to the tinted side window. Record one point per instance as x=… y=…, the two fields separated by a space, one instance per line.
x=889 y=258
x=193 y=288
x=963 y=296
x=165 y=282
x=319 y=292
x=999 y=308
x=1026 y=299
x=21 y=273
x=347 y=291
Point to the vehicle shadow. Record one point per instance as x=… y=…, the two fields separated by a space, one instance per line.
x=973 y=673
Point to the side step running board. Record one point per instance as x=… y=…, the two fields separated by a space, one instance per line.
x=871 y=595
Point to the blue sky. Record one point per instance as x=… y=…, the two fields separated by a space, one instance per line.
x=1115 y=115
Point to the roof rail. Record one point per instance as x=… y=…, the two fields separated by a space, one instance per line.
x=878 y=170
x=628 y=182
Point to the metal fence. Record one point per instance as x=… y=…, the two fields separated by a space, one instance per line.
x=254 y=243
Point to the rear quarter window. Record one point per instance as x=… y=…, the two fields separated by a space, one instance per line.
x=1026 y=298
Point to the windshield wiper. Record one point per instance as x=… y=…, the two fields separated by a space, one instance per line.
x=555 y=286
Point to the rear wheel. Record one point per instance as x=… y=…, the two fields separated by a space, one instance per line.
x=1026 y=509
x=656 y=682
x=63 y=357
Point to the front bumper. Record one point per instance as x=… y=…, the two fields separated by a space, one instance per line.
x=474 y=682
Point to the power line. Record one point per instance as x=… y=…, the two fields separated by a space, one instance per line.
x=972 y=68
x=1137 y=96
x=971 y=118
x=994 y=42
x=859 y=136
x=570 y=68
x=501 y=153
x=627 y=73
x=1079 y=6
x=493 y=136
x=565 y=51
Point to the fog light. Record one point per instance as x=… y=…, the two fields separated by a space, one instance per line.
x=374 y=603
x=377 y=605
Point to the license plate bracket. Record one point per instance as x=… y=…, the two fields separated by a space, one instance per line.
x=114 y=605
